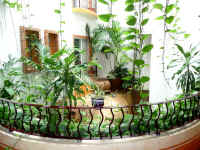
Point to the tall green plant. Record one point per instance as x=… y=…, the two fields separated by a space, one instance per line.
x=107 y=39
x=135 y=36
x=61 y=75
x=171 y=29
x=187 y=66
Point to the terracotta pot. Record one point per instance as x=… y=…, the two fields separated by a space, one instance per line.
x=136 y=96
x=116 y=84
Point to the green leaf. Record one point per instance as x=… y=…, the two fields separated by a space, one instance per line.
x=139 y=62
x=187 y=36
x=144 y=22
x=158 y=6
x=12 y=5
x=108 y=50
x=106 y=17
x=128 y=2
x=169 y=19
x=144 y=95
x=147 y=48
x=131 y=30
x=169 y=8
x=10 y=91
x=62 y=4
x=172 y=30
x=103 y=2
x=57 y=11
x=180 y=49
x=129 y=8
x=127 y=48
x=113 y=0
x=145 y=9
x=130 y=37
x=94 y=63
x=127 y=78
x=146 y=1
x=135 y=45
x=131 y=20
x=160 y=18
x=145 y=36
x=144 y=79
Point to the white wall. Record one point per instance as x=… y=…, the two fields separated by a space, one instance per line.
x=190 y=23
x=43 y=17
x=40 y=16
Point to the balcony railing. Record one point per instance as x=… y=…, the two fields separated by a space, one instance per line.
x=87 y=4
x=98 y=123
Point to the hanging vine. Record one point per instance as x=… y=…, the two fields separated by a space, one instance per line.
x=170 y=28
x=59 y=12
x=14 y=4
x=135 y=36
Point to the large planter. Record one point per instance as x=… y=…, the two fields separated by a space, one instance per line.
x=116 y=84
x=137 y=98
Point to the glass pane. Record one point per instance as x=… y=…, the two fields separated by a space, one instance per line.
x=94 y=3
x=84 y=4
x=77 y=43
x=84 y=46
x=76 y=3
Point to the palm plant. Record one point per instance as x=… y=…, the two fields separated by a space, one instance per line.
x=187 y=66
x=108 y=39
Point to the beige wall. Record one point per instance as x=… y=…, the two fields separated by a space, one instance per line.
x=168 y=140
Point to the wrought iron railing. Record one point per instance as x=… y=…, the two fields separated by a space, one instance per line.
x=98 y=123
x=87 y=4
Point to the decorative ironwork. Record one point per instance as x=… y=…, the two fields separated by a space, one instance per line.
x=98 y=123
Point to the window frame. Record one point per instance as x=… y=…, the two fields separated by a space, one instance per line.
x=46 y=40
x=89 y=47
x=23 y=30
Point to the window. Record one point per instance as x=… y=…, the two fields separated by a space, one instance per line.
x=29 y=40
x=93 y=5
x=51 y=40
x=81 y=4
x=87 y=4
x=81 y=42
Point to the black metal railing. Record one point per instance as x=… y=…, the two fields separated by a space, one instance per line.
x=98 y=123
x=87 y=4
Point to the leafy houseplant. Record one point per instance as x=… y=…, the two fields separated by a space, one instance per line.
x=109 y=40
x=10 y=83
x=61 y=76
x=116 y=76
x=187 y=66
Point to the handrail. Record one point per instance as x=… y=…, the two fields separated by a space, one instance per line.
x=98 y=123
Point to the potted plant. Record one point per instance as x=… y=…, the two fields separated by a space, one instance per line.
x=107 y=40
x=116 y=76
